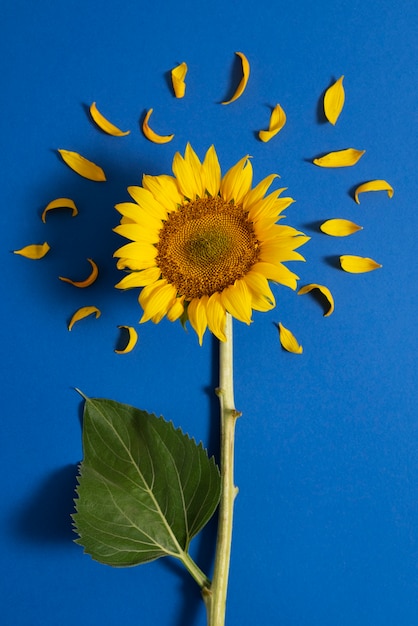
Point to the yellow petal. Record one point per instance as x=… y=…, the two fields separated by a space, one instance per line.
x=257 y=194
x=334 y=101
x=357 y=264
x=150 y=134
x=339 y=227
x=147 y=201
x=60 y=203
x=104 y=123
x=178 y=74
x=196 y=312
x=34 y=250
x=142 y=253
x=373 y=185
x=341 y=158
x=164 y=189
x=278 y=273
x=325 y=292
x=156 y=299
x=187 y=171
x=82 y=166
x=211 y=172
x=237 y=181
x=132 y=339
x=176 y=310
x=244 y=79
x=288 y=340
x=136 y=232
x=139 y=279
x=277 y=121
x=88 y=281
x=216 y=315
x=262 y=298
x=83 y=312
x=237 y=301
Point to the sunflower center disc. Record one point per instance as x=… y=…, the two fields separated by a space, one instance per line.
x=206 y=246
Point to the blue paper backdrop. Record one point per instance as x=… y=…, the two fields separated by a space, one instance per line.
x=327 y=517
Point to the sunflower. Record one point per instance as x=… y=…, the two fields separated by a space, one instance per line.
x=203 y=245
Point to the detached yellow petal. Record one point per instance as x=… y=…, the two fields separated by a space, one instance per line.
x=60 y=203
x=373 y=185
x=150 y=134
x=83 y=312
x=88 y=281
x=325 y=292
x=34 y=250
x=82 y=166
x=288 y=340
x=132 y=339
x=339 y=227
x=341 y=158
x=104 y=123
x=357 y=264
x=277 y=121
x=178 y=74
x=334 y=101
x=244 y=79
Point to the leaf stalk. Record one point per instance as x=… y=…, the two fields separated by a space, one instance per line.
x=195 y=571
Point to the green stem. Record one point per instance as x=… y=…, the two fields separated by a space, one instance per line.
x=215 y=597
x=195 y=571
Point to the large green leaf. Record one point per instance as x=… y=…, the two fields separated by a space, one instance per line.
x=145 y=489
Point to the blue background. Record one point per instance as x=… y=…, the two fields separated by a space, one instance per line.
x=327 y=465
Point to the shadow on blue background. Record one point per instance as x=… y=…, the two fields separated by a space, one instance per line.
x=45 y=517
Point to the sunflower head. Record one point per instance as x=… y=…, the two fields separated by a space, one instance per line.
x=203 y=245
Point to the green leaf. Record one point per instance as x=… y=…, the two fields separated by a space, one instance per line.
x=145 y=488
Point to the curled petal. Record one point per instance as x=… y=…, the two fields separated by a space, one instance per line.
x=277 y=121
x=60 y=203
x=178 y=74
x=132 y=339
x=288 y=340
x=373 y=185
x=339 y=227
x=341 y=158
x=325 y=292
x=82 y=166
x=244 y=79
x=88 y=281
x=334 y=101
x=34 y=250
x=150 y=134
x=357 y=264
x=83 y=312
x=104 y=123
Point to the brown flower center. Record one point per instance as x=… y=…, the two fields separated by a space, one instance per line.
x=205 y=246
